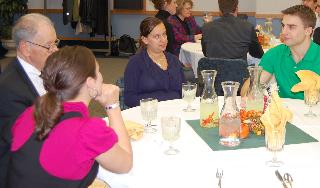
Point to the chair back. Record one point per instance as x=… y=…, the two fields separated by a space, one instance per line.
x=120 y=84
x=227 y=70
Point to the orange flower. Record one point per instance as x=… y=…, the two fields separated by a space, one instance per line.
x=209 y=120
x=244 y=131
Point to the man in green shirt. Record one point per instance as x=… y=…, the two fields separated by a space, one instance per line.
x=298 y=51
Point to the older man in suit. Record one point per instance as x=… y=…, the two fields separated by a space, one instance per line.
x=20 y=82
x=230 y=37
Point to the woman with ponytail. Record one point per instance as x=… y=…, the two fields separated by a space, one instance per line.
x=55 y=142
x=152 y=73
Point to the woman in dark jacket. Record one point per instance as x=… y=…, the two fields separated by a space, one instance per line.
x=152 y=73
x=166 y=8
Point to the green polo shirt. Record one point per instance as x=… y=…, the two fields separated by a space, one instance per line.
x=279 y=62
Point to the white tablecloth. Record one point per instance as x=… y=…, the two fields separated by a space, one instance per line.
x=191 y=53
x=196 y=164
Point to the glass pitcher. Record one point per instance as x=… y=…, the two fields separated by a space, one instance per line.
x=255 y=96
x=229 y=123
x=268 y=26
x=269 y=38
x=209 y=109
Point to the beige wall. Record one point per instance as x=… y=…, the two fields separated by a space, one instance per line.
x=274 y=6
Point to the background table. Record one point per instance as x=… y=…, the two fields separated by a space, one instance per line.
x=191 y=53
x=196 y=164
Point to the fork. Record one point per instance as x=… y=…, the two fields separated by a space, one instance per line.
x=219 y=175
x=288 y=179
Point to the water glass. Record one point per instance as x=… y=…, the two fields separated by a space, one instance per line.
x=311 y=98
x=189 y=94
x=275 y=140
x=149 y=109
x=170 y=126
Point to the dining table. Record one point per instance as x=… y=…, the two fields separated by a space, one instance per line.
x=191 y=53
x=197 y=162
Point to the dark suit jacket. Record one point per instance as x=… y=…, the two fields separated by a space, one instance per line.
x=16 y=94
x=163 y=16
x=316 y=36
x=230 y=37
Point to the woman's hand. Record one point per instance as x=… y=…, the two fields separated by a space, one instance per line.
x=197 y=37
x=109 y=94
x=207 y=18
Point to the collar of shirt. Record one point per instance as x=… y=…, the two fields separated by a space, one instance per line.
x=310 y=54
x=34 y=75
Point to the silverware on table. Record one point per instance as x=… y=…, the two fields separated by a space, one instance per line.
x=281 y=179
x=288 y=179
x=219 y=175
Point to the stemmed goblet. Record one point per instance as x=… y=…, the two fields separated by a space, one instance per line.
x=149 y=109
x=189 y=94
x=275 y=140
x=311 y=98
x=170 y=127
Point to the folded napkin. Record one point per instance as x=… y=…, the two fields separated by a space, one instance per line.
x=275 y=116
x=309 y=81
x=135 y=130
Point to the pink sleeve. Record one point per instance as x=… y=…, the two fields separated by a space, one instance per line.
x=95 y=138
x=22 y=129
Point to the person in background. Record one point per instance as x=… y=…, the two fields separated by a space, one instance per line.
x=313 y=5
x=152 y=73
x=298 y=51
x=55 y=143
x=185 y=28
x=318 y=9
x=230 y=37
x=166 y=8
x=20 y=84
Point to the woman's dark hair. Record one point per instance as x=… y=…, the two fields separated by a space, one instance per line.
x=158 y=4
x=146 y=27
x=228 y=6
x=63 y=76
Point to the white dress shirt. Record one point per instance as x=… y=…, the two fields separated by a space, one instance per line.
x=34 y=76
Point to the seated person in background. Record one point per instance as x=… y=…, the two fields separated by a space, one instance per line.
x=55 y=142
x=316 y=36
x=298 y=51
x=230 y=37
x=185 y=28
x=318 y=9
x=166 y=8
x=313 y=4
x=152 y=73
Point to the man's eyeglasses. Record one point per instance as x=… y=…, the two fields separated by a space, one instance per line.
x=49 y=47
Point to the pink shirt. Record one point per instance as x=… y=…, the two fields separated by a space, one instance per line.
x=71 y=147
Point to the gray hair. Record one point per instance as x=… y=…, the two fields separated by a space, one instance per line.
x=27 y=26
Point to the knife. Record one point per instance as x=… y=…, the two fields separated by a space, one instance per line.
x=281 y=179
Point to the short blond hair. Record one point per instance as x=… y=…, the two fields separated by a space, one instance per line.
x=181 y=3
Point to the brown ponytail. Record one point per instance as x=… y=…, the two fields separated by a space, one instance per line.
x=48 y=110
x=63 y=76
